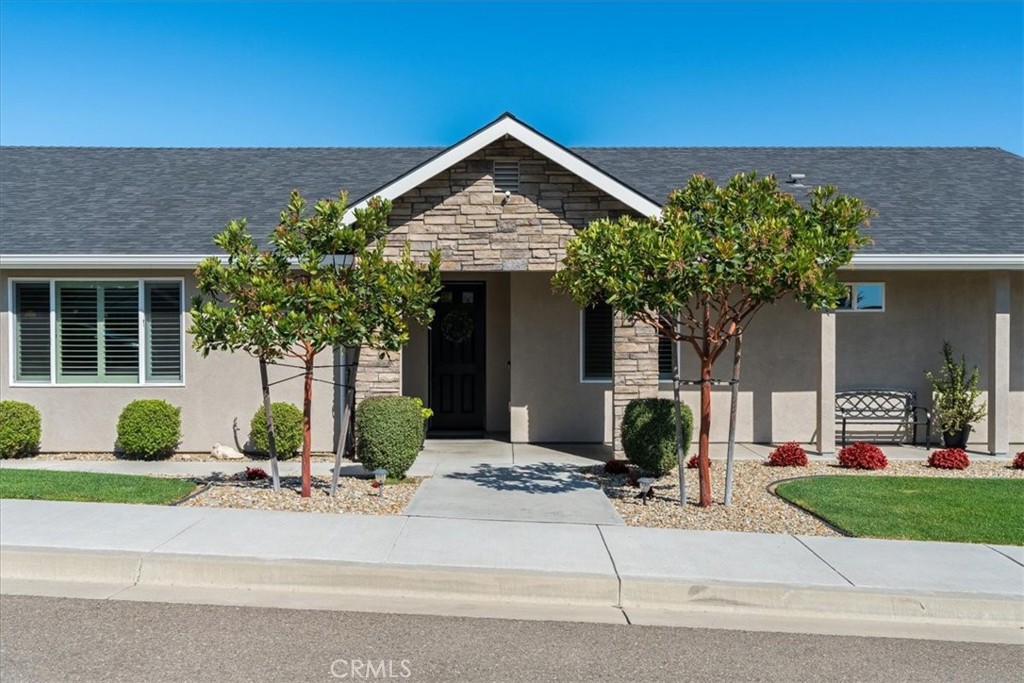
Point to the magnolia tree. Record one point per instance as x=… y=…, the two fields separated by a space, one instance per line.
x=700 y=271
x=321 y=284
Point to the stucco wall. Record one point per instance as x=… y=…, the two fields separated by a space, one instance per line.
x=549 y=402
x=886 y=349
x=219 y=391
x=415 y=365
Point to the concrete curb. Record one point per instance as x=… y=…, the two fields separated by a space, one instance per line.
x=161 y=570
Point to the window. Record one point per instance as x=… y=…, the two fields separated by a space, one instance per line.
x=664 y=359
x=97 y=332
x=596 y=343
x=863 y=296
x=506 y=176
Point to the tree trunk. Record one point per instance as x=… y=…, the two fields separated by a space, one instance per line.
x=703 y=462
x=269 y=418
x=307 y=440
x=677 y=370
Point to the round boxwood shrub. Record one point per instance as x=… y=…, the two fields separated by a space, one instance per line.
x=287 y=430
x=789 y=454
x=389 y=430
x=949 y=459
x=149 y=429
x=20 y=429
x=649 y=434
x=863 y=456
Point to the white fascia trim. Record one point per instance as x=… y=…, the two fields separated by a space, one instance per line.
x=513 y=128
x=939 y=261
x=101 y=261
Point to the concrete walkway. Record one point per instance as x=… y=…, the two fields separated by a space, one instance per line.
x=150 y=552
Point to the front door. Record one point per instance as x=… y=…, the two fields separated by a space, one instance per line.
x=457 y=359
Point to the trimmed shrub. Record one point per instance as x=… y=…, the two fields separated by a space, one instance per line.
x=1018 y=461
x=949 y=459
x=615 y=466
x=389 y=430
x=149 y=429
x=789 y=454
x=287 y=430
x=863 y=456
x=20 y=429
x=694 y=462
x=649 y=434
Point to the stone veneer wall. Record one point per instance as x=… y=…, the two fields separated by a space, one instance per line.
x=378 y=376
x=475 y=228
x=634 y=371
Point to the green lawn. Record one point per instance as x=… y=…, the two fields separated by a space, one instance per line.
x=917 y=508
x=91 y=487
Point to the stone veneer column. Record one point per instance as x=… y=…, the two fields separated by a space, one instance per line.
x=826 y=427
x=634 y=370
x=378 y=376
x=999 y=367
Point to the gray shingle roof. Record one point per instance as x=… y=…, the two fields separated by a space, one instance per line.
x=63 y=200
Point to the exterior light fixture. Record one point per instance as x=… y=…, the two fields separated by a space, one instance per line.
x=380 y=475
x=645 y=487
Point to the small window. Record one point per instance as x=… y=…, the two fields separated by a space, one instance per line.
x=664 y=359
x=597 y=340
x=506 y=176
x=863 y=296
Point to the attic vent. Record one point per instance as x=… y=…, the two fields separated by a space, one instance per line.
x=506 y=176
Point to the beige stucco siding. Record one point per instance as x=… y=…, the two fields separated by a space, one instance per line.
x=220 y=392
x=549 y=402
x=892 y=348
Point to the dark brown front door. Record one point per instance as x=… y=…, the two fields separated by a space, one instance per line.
x=457 y=359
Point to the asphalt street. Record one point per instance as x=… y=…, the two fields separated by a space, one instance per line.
x=62 y=639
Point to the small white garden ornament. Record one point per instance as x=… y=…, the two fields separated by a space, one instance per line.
x=225 y=452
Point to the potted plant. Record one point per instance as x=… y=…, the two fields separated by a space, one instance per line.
x=955 y=398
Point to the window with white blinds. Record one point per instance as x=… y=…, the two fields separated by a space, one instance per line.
x=98 y=332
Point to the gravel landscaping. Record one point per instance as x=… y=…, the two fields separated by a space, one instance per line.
x=354 y=496
x=753 y=507
x=177 y=457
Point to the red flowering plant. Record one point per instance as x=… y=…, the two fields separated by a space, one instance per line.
x=789 y=454
x=694 y=461
x=949 y=459
x=1018 y=461
x=863 y=456
x=255 y=473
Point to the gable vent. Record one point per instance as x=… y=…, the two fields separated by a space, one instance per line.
x=506 y=176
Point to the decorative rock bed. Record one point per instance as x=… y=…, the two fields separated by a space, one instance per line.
x=355 y=496
x=177 y=457
x=753 y=507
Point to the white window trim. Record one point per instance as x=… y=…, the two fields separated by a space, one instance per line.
x=53 y=383
x=853 y=299
x=583 y=378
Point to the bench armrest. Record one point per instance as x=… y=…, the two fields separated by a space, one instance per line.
x=927 y=413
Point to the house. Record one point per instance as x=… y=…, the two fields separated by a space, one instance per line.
x=98 y=246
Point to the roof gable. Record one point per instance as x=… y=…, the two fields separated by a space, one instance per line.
x=508 y=125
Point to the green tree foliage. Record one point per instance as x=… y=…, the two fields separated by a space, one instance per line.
x=324 y=282
x=714 y=257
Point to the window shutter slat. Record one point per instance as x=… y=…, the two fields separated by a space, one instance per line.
x=78 y=322
x=32 y=308
x=121 y=332
x=163 y=332
x=597 y=342
x=664 y=358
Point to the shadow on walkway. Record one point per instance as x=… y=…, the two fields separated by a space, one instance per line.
x=531 y=478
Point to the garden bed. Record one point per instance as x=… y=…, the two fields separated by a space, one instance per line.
x=107 y=456
x=355 y=495
x=754 y=508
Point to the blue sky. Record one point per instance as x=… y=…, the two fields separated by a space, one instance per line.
x=325 y=74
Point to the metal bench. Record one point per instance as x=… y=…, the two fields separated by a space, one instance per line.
x=883 y=406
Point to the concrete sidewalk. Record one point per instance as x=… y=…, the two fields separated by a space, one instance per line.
x=143 y=552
